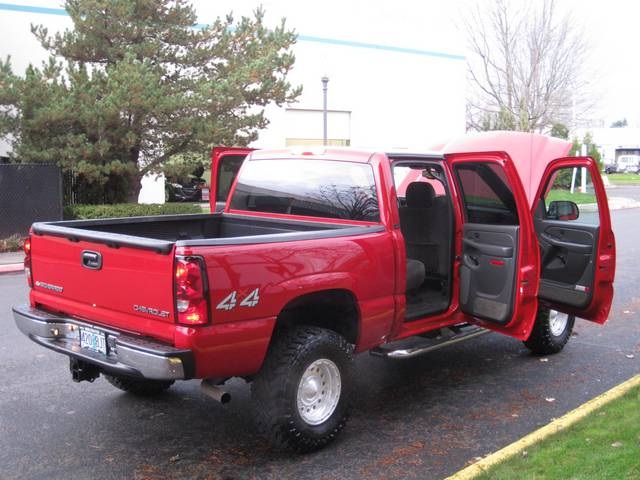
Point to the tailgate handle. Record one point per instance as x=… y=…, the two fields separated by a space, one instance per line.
x=91 y=260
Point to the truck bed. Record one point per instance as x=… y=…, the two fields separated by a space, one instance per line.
x=161 y=233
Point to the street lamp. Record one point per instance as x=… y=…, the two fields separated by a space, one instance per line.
x=325 y=81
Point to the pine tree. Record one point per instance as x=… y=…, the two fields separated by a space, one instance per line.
x=137 y=82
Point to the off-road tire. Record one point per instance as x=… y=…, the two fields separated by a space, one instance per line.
x=543 y=341
x=275 y=388
x=138 y=386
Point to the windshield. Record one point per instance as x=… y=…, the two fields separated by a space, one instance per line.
x=316 y=188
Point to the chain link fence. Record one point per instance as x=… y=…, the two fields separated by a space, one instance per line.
x=28 y=193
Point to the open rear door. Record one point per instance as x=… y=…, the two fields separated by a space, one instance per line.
x=225 y=163
x=499 y=252
x=577 y=244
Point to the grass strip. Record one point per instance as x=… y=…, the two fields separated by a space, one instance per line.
x=624 y=178
x=604 y=445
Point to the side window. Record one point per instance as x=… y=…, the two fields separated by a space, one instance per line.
x=487 y=195
x=569 y=197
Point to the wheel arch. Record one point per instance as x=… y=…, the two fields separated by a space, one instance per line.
x=335 y=309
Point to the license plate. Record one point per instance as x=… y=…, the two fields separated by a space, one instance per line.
x=93 y=340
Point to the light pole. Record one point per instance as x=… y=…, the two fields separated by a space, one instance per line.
x=325 y=81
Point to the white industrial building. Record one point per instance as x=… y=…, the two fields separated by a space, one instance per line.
x=613 y=142
x=396 y=70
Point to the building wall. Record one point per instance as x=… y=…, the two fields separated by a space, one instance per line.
x=396 y=71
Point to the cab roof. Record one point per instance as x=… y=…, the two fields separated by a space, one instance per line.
x=345 y=154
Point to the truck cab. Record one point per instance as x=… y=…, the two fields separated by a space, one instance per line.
x=489 y=234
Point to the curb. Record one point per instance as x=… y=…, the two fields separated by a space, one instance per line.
x=555 y=426
x=11 y=268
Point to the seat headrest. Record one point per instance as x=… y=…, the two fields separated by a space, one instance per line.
x=420 y=195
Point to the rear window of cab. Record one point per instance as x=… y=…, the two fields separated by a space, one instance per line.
x=314 y=188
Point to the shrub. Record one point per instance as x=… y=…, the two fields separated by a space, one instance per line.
x=83 y=212
x=11 y=244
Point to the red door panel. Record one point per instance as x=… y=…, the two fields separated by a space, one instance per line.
x=578 y=252
x=499 y=252
x=225 y=163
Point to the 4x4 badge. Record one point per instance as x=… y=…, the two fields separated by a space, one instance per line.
x=229 y=302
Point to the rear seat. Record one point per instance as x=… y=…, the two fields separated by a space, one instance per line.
x=424 y=222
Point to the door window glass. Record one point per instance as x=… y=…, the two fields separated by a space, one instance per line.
x=570 y=196
x=486 y=193
x=227 y=171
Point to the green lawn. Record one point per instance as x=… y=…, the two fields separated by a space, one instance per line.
x=624 y=178
x=605 y=445
x=575 y=197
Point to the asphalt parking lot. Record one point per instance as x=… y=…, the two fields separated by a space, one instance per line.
x=420 y=418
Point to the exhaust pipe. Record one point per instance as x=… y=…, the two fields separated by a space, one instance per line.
x=215 y=392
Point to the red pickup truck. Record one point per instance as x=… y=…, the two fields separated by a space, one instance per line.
x=320 y=254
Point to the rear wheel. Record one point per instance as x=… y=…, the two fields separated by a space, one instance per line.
x=302 y=392
x=551 y=332
x=138 y=386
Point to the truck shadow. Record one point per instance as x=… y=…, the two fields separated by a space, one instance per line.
x=402 y=411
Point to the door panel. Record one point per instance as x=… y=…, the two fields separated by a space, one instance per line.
x=578 y=250
x=488 y=270
x=225 y=164
x=499 y=263
x=567 y=262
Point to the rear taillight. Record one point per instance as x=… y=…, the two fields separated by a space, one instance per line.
x=26 y=246
x=191 y=291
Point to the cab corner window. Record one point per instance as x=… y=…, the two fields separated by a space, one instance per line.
x=570 y=197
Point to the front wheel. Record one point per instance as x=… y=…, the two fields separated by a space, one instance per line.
x=551 y=332
x=302 y=392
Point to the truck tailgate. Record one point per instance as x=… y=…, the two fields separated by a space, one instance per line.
x=124 y=287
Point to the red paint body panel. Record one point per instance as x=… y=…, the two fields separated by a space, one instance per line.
x=227 y=350
x=285 y=271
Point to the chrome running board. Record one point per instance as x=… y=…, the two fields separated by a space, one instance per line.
x=414 y=346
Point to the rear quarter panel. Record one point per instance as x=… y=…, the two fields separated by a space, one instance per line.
x=281 y=272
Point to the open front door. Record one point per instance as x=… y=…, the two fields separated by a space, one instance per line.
x=576 y=241
x=225 y=163
x=499 y=255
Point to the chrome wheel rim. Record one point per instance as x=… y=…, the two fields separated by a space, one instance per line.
x=319 y=391
x=557 y=322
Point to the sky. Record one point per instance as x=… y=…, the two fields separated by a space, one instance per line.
x=611 y=27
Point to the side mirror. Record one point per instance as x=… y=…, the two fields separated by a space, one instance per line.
x=563 y=210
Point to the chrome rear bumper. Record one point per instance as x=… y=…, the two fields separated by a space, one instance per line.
x=126 y=354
